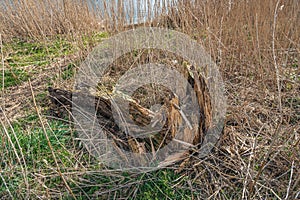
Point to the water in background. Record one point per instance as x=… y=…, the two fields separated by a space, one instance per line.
x=134 y=11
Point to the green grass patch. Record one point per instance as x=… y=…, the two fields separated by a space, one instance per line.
x=69 y=71
x=29 y=139
x=94 y=39
x=36 y=53
x=163 y=184
x=34 y=144
x=13 y=77
x=24 y=58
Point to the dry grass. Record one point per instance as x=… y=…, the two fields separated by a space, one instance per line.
x=256 y=46
x=32 y=19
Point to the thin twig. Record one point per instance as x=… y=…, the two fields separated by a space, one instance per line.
x=49 y=143
x=275 y=61
x=277 y=130
x=24 y=171
x=290 y=181
x=183 y=116
x=2 y=63
x=4 y=182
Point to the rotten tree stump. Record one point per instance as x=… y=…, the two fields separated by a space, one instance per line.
x=61 y=101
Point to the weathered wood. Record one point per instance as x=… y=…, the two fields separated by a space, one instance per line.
x=63 y=98
x=193 y=135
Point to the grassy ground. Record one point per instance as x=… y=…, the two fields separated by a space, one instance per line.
x=40 y=156
x=256 y=46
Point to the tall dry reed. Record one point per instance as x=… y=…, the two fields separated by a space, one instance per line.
x=40 y=19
